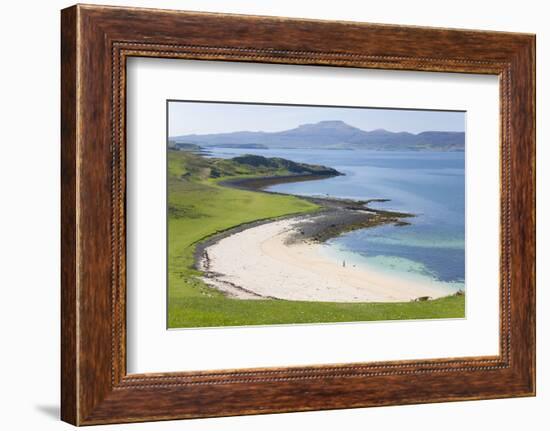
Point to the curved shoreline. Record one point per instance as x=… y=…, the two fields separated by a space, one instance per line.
x=286 y=264
x=265 y=262
x=339 y=215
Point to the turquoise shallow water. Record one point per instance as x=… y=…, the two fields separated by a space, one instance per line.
x=428 y=184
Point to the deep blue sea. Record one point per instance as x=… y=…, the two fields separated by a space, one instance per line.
x=428 y=184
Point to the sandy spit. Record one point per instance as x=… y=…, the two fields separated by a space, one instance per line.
x=263 y=262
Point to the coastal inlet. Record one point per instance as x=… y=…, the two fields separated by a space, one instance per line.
x=250 y=242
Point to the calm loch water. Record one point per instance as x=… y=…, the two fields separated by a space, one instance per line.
x=428 y=184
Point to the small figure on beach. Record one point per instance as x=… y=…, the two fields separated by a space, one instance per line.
x=343 y=263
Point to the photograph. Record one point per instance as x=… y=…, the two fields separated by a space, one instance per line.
x=284 y=214
x=275 y=215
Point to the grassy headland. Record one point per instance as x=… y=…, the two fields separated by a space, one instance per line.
x=199 y=206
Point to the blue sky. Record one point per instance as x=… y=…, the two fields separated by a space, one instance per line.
x=206 y=117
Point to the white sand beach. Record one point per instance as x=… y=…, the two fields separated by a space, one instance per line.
x=257 y=263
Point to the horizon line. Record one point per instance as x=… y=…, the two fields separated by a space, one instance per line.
x=319 y=122
x=178 y=129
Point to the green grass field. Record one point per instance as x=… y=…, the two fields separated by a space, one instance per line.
x=199 y=207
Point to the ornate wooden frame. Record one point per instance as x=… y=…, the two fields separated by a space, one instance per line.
x=96 y=41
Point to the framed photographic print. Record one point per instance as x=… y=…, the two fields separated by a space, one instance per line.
x=310 y=248
x=266 y=215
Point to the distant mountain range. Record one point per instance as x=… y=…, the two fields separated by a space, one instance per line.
x=329 y=135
